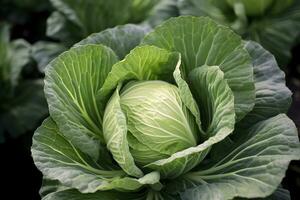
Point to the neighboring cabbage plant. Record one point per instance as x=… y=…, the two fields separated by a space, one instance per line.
x=22 y=103
x=74 y=20
x=275 y=24
x=192 y=112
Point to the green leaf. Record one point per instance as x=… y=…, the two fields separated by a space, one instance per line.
x=272 y=95
x=59 y=159
x=93 y=16
x=141 y=9
x=252 y=167
x=187 y=96
x=60 y=28
x=164 y=10
x=20 y=56
x=211 y=91
x=142 y=63
x=44 y=52
x=276 y=30
x=279 y=6
x=23 y=111
x=203 y=42
x=115 y=134
x=279 y=194
x=278 y=34
x=121 y=39
x=211 y=8
x=13 y=57
x=252 y=7
x=76 y=195
x=71 y=85
x=50 y=186
x=215 y=99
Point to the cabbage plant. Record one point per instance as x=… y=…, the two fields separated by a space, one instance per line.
x=275 y=24
x=22 y=103
x=190 y=112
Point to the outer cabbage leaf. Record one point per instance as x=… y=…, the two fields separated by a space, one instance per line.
x=121 y=39
x=272 y=95
x=253 y=166
x=71 y=85
x=59 y=159
x=203 y=42
x=50 y=186
x=279 y=194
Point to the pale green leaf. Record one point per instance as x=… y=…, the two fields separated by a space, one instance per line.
x=187 y=96
x=142 y=63
x=215 y=99
x=252 y=167
x=115 y=135
x=71 y=84
x=203 y=42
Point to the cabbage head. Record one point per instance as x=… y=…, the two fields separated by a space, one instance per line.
x=191 y=112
